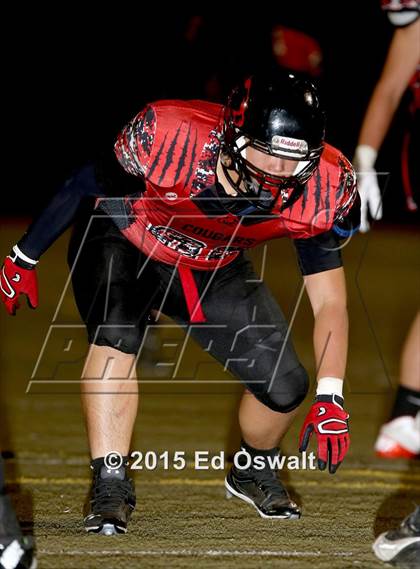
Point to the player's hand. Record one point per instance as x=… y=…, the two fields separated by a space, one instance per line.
x=17 y=277
x=367 y=185
x=328 y=420
x=370 y=198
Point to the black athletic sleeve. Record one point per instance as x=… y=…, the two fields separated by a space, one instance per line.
x=323 y=252
x=103 y=178
x=60 y=212
x=319 y=253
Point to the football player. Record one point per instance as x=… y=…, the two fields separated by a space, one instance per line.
x=189 y=187
x=400 y=436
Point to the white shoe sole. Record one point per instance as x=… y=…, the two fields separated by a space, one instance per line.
x=387 y=550
x=106 y=529
x=231 y=492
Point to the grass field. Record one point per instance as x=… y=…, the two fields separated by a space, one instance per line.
x=183 y=518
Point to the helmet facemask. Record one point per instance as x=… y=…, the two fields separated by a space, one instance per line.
x=261 y=186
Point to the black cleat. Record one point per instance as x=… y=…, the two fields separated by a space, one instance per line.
x=112 y=501
x=263 y=490
x=401 y=546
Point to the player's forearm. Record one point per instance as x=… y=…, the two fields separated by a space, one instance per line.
x=331 y=340
x=399 y=67
x=378 y=117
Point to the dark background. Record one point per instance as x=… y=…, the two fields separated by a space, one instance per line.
x=73 y=85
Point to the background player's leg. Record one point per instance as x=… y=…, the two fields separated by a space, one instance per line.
x=410 y=360
x=2 y=477
x=110 y=403
x=400 y=436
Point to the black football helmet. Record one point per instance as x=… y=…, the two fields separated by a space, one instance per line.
x=279 y=116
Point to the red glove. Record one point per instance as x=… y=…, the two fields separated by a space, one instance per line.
x=330 y=423
x=18 y=276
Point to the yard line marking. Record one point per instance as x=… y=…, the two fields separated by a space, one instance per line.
x=219 y=482
x=196 y=552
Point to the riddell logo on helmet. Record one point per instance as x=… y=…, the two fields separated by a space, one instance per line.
x=278 y=142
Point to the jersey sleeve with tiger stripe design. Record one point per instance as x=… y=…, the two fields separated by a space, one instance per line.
x=134 y=144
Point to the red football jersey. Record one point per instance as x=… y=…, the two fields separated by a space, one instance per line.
x=174 y=147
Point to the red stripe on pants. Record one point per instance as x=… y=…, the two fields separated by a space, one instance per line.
x=192 y=297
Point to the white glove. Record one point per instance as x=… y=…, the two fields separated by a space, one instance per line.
x=367 y=184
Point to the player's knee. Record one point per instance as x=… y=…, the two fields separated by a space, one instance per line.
x=126 y=339
x=286 y=391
